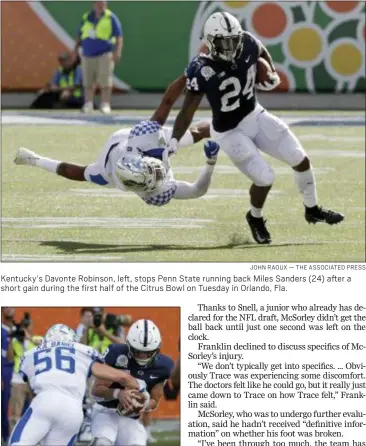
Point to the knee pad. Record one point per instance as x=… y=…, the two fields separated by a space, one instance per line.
x=266 y=177
x=101 y=442
x=261 y=173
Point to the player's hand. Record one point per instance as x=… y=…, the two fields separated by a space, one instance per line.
x=125 y=399
x=211 y=149
x=273 y=81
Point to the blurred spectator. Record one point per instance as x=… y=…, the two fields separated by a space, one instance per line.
x=106 y=329
x=22 y=340
x=65 y=90
x=100 y=37
x=7 y=316
x=86 y=322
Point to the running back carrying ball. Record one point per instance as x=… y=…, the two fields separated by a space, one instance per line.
x=266 y=79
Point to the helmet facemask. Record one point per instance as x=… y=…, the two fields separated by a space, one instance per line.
x=143 y=358
x=140 y=173
x=226 y=48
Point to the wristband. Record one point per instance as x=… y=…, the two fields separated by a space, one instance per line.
x=116 y=393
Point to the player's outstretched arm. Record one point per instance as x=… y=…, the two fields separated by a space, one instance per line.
x=185 y=116
x=185 y=190
x=105 y=372
x=172 y=93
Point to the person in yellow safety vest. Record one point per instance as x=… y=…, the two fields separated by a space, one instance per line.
x=100 y=38
x=65 y=89
x=22 y=341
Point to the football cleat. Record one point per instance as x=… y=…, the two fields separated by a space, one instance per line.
x=259 y=230
x=317 y=214
x=25 y=157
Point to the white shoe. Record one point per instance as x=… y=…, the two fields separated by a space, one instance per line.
x=88 y=107
x=25 y=157
x=105 y=108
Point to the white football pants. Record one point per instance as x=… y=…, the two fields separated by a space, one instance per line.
x=52 y=417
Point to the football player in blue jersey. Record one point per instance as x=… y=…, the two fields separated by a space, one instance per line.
x=227 y=76
x=115 y=418
x=132 y=159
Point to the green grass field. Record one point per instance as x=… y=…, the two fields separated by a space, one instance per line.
x=48 y=218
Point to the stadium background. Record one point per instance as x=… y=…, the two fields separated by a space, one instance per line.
x=333 y=58
x=167 y=319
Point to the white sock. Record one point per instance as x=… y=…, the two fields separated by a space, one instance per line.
x=256 y=212
x=47 y=164
x=307 y=186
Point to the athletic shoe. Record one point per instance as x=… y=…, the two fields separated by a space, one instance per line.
x=317 y=214
x=259 y=230
x=105 y=108
x=25 y=157
x=88 y=107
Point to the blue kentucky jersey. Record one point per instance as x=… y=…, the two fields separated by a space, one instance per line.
x=229 y=86
x=118 y=357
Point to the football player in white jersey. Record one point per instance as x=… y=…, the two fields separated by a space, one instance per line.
x=57 y=372
x=137 y=159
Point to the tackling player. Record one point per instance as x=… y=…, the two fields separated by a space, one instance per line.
x=134 y=159
x=227 y=75
x=114 y=423
x=57 y=372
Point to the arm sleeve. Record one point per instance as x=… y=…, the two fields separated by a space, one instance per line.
x=110 y=356
x=254 y=41
x=194 y=82
x=186 y=191
x=56 y=78
x=116 y=27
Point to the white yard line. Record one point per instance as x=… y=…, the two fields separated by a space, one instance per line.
x=100 y=222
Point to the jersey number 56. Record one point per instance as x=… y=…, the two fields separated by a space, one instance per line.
x=63 y=359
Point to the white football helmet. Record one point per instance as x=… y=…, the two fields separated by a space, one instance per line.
x=60 y=333
x=140 y=173
x=223 y=36
x=144 y=341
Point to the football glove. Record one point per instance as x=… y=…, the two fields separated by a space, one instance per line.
x=273 y=82
x=211 y=149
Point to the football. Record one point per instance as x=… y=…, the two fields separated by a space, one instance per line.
x=137 y=406
x=263 y=67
